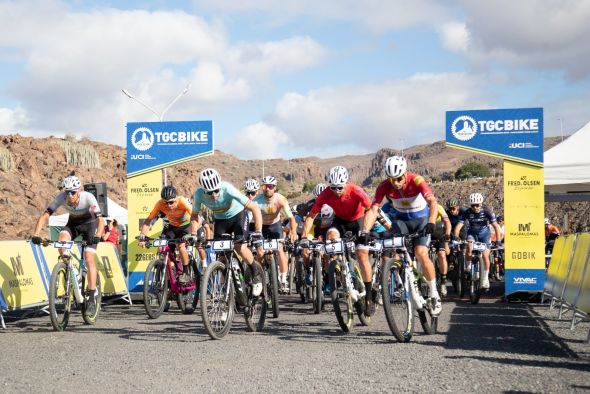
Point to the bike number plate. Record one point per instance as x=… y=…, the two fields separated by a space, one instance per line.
x=271 y=244
x=479 y=246
x=334 y=247
x=222 y=246
x=395 y=242
x=63 y=244
x=160 y=242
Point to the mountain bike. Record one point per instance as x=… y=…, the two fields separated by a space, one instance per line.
x=473 y=271
x=404 y=291
x=161 y=279
x=496 y=263
x=226 y=288
x=456 y=261
x=348 y=289
x=312 y=277
x=270 y=265
x=67 y=284
x=293 y=253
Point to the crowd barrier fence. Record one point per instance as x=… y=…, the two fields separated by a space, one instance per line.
x=567 y=281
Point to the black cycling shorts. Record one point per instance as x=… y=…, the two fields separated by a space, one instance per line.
x=85 y=230
x=344 y=226
x=171 y=232
x=272 y=231
x=236 y=225
x=410 y=227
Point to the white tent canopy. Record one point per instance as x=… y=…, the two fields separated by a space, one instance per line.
x=115 y=212
x=567 y=165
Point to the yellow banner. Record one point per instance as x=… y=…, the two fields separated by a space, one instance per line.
x=20 y=277
x=143 y=191
x=524 y=209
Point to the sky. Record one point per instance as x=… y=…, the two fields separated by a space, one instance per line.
x=290 y=78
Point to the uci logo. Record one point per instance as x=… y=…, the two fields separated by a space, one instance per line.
x=464 y=128
x=142 y=139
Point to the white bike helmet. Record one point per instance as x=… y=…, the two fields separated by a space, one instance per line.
x=338 y=176
x=251 y=185
x=209 y=179
x=395 y=166
x=326 y=211
x=546 y=220
x=269 y=180
x=475 y=198
x=71 y=183
x=318 y=189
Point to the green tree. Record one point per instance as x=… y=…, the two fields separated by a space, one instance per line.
x=472 y=170
x=308 y=187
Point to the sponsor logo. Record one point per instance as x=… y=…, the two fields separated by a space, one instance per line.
x=523 y=255
x=525 y=281
x=524 y=230
x=522 y=145
x=106 y=267
x=17 y=266
x=142 y=139
x=464 y=128
x=175 y=137
x=509 y=125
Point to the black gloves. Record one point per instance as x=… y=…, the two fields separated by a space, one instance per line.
x=429 y=229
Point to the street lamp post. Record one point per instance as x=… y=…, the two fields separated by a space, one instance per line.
x=561 y=127
x=160 y=116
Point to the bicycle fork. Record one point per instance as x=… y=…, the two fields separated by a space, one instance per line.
x=412 y=284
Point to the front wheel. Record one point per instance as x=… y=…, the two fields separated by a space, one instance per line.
x=60 y=297
x=255 y=312
x=92 y=319
x=396 y=301
x=474 y=288
x=155 y=289
x=187 y=300
x=291 y=274
x=217 y=300
x=273 y=283
x=428 y=321
x=318 y=280
x=341 y=299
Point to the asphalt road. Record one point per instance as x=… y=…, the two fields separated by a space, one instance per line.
x=490 y=347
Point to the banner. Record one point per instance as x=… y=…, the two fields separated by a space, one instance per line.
x=20 y=276
x=524 y=208
x=156 y=145
x=514 y=134
x=143 y=191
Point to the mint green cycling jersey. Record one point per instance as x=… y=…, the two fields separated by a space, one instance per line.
x=228 y=204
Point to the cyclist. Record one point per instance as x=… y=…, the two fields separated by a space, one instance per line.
x=440 y=242
x=349 y=203
x=551 y=233
x=454 y=210
x=499 y=256
x=414 y=209
x=228 y=206
x=177 y=210
x=85 y=220
x=479 y=217
x=251 y=187
x=272 y=205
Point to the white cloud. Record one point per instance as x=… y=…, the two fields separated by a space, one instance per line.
x=257 y=141
x=368 y=117
x=12 y=120
x=455 y=36
x=77 y=62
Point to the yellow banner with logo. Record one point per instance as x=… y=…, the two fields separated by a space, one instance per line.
x=143 y=192
x=20 y=275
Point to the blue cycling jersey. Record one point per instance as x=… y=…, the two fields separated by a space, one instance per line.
x=229 y=201
x=478 y=221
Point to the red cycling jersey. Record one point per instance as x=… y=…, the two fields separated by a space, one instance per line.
x=350 y=206
x=409 y=202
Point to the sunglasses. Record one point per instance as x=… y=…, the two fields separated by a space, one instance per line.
x=398 y=179
x=250 y=193
x=212 y=192
x=337 y=188
x=72 y=192
x=170 y=202
x=475 y=205
x=270 y=186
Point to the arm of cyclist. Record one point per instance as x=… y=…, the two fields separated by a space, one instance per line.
x=36 y=239
x=255 y=209
x=433 y=208
x=145 y=228
x=498 y=231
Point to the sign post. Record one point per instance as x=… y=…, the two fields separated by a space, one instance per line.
x=515 y=135
x=152 y=146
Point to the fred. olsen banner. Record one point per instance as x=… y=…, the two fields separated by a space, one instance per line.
x=515 y=135
x=152 y=146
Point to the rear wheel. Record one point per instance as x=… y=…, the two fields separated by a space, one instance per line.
x=155 y=289
x=428 y=322
x=318 y=280
x=186 y=300
x=273 y=283
x=61 y=296
x=255 y=312
x=341 y=300
x=463 y=276
x=396 y=301
x=359 y=306
x=474 y=286
x=301 y=285
x=217 y=301
x=92 y=319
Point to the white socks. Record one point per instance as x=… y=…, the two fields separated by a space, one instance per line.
x=432 y=286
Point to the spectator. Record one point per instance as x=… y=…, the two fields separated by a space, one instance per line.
x=111 y=234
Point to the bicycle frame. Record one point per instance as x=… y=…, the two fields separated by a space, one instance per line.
x=173 y=265
x=74 y=275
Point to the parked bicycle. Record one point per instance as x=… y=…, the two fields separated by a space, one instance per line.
x=161 y=281
x=347 y=287
x=67 y=284
x=405 y=291
x=226 y=288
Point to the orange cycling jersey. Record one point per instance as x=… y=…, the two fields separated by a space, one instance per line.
x=178 y=216
x=551 y=229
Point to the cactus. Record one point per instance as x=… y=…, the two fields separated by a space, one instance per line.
x=6 y=161
x=81 y=155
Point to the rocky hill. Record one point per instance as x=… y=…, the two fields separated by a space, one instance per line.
x=31 y=170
